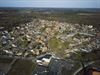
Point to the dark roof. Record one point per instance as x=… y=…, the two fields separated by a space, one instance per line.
x=1 y=73
x=44 y=56
x=40 y=70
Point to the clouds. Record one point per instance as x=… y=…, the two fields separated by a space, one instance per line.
x=51 y=3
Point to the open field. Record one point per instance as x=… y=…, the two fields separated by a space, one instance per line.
x=10 y=17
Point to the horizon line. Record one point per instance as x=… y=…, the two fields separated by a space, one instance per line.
x=48 y=7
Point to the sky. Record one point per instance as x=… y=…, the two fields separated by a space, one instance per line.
x=51 y=3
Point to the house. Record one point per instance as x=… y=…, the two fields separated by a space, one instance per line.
x=44 y=59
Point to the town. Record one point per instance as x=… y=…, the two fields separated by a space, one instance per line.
x=48 y=46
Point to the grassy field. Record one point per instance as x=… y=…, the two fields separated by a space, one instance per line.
x=14 y=17
x=22 y=67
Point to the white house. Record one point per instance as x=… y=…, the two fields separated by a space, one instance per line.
x=44 y=59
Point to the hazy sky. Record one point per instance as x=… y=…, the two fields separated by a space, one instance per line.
x=51 y=3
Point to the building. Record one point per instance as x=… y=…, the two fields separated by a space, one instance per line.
x=44 y=59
